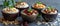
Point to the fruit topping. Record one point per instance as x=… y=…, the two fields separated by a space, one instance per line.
x=39 y=5
x=30 y=11
x=50 y=10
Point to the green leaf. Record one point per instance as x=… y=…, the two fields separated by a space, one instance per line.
x=13 y=2
x=5 y=3
x=39 y=2
x=50 y=7
x=29 y=10
x=11 y=7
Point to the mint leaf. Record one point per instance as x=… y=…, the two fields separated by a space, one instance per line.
x=11 y=7
x=13 y=2
x=6 y=3
x=50 y=7
x=29 y=10
x=39 y=2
